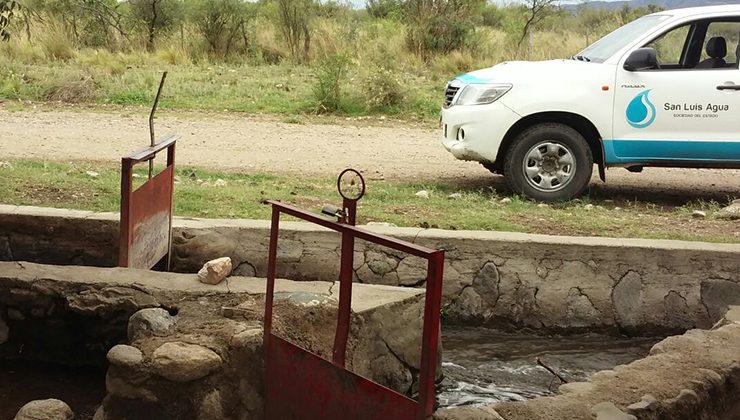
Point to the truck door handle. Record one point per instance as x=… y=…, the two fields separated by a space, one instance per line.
x=728 y=87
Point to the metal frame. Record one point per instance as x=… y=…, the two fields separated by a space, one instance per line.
x=302 y=385
x=143 y=241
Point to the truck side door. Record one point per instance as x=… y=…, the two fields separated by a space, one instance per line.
x=687 y=111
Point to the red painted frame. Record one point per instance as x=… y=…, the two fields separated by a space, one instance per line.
x=144 y=240
x=302 y=385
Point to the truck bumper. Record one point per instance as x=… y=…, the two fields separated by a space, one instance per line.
x=475 y=132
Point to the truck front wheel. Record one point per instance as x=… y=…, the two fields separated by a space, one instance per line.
x=549 y=162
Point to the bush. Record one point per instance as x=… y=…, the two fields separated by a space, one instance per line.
x=73 y=91
x=382 y=89
x=329 y=73
x=56 y=45
x=440 y=26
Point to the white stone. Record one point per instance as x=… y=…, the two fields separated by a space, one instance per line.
x=49 y=409
x=505 y=200
x=731 y=212
x=123 y=355
x=698 y=214
x=219 y=183
x=92 y=174
x=182 y=362
x=588 y=207
x=543 y=205
x=422 y=194
x=454 y=196
x=215 y=271
x=6 y=165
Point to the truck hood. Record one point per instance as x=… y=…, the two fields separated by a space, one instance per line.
x=514 y=71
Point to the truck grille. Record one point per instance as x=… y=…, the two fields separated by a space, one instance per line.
x=450 y=93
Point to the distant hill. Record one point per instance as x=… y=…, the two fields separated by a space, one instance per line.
x=666 y=4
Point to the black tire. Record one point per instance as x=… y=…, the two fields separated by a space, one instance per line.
x=567 y=140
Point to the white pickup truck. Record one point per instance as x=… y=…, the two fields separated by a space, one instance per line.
x=663 y=90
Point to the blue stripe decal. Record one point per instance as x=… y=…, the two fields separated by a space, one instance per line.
x=470 y=79
x=634 y=151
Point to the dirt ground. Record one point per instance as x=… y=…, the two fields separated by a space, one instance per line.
x=382 y=149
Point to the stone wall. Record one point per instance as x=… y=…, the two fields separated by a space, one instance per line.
x=180 y=349
x=694 y=376
x=508 y=280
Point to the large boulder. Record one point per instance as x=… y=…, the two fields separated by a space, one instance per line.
x=183 y=362
x=150 y=322
x=49 y=409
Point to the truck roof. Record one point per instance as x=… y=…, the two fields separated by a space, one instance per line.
x=703 y=10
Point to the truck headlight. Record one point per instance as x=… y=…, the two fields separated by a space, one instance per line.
x=481 y=94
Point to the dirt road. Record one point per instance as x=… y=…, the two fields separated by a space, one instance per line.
x=246 y=143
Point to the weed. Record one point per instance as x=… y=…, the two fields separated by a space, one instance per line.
x=329 y=74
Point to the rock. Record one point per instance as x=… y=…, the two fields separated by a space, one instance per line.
x=617 y=208
x=148 y=322
x=182 y=362
x=454 y=196
x=382 y=224
x=422 y=194
x=647 y=403
x=543 y=205
x=211 y=408
x=123 y=389
x=136 y=176
x=215 y=271
x=100 y=413
x=50 y=409
x=731 y=212
x=576 y=388
x=243 y=338
x=588 y=207
x=698 y=214
x=6 y=165
x=608 y=411
x=15 y=314
x=4 y=331
x=505 y=200
x=92 y=174
x=123 y=355
x=219 y=183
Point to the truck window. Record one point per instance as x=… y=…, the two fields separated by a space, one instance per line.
x=726 y=33
x=607 y=46
x=670 y=47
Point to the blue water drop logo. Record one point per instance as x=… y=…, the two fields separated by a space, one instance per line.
x=640 y=111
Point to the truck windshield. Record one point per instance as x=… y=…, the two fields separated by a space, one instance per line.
x=607 y=46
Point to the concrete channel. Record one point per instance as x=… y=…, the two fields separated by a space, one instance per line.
x=512 y=282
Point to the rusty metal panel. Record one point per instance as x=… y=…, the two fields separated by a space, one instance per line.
x=151 y=221
x=146 y=213
x=302 y=385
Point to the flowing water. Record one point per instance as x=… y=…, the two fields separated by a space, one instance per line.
x=480 y=366
x=483 y=366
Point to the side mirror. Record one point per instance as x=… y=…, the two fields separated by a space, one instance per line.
x=642 y=59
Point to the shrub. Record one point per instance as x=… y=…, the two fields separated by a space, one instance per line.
x=329 y=73
x=440 y=25
x=72 y=90
x=56 y=45
x=382 y=89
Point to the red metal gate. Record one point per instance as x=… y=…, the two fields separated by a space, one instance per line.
x=303 y=385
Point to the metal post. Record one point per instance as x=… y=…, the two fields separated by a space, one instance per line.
x=430 y=337
x=151 y=121
x=345 y=285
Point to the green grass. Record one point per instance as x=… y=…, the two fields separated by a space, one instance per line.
x=67 y=185
x=272 y=89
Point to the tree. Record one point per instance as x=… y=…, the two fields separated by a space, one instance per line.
x=440 y=25
x=294 y=17
x=6 y=13
x=156 y=16
x=537 y=11
x=222 y=23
